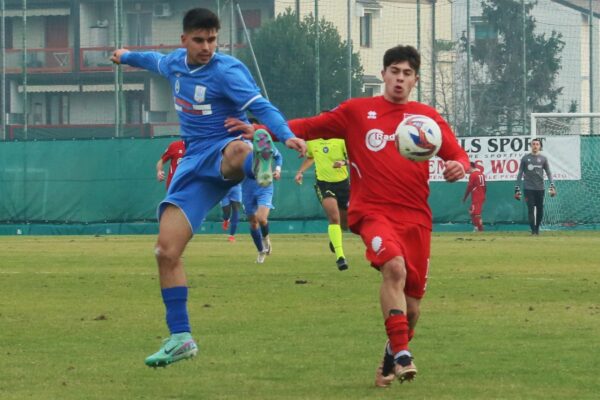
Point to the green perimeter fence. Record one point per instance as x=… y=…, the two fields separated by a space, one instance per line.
x=109 y=186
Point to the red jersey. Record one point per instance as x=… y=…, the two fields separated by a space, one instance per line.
x=381 y=180
x=174 y=152
x=476 y=186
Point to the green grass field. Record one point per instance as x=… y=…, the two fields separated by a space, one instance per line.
x=506 y=316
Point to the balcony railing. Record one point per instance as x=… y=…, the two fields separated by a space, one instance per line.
x=60 y=60
x=93 y=59
x=40 y=60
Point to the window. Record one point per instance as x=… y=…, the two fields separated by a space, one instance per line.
x=8 y=33
x=252 y=21
x=483 y=29
x=365 y=30
x=57 y=109
x=371 y=90
x=484 y=32
x=134 y=106
x=139 y=29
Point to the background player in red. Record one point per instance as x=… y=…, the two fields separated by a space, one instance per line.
x=173 y=153
x=476 y=188
x=388 y=196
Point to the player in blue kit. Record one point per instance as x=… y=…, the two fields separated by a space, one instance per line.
x=258 y=202
x=207 y=88
x=230 y=205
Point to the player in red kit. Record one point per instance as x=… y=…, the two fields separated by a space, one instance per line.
x=174 y=152
x=388 y=197
x=476 y=188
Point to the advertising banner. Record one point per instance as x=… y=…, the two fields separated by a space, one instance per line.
x=500 y=156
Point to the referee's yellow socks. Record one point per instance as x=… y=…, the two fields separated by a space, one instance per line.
x=335 y=237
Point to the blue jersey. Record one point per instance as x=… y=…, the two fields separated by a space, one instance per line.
x=254 y=195
x=234 y=195
x=277 y=157
x=205 y=95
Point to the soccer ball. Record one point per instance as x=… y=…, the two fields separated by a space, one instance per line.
x=418 y=138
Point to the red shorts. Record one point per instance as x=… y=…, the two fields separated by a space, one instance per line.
x=386 y=239
x=476 y=208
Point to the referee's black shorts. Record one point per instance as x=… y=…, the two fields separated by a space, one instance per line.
x=338 y=190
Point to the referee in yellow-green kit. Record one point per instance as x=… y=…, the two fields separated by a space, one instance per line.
x=332 y=187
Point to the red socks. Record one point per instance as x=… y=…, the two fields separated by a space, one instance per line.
x=397 y=330
x=477 y=222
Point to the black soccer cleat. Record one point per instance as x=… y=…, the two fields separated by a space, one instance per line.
x=385 y=374
x=342 y=264
x=405 y=370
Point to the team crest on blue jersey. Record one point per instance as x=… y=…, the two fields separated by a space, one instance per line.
x=200 y=93
x=177 y=86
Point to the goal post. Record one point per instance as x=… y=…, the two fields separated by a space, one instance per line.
x=562 y=118
x=572 y=145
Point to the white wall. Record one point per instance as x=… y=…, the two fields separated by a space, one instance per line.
x=92 y=108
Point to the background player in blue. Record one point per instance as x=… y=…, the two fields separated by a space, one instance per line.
x=207 y=88
x=230 y=205
x=258 y=202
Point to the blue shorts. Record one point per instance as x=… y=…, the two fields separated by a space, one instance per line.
x=254 y=195
x=234 y=195
x=198 y=185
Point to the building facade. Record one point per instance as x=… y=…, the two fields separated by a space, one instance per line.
x=63 y=85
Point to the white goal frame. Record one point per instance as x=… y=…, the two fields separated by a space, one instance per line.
x=535 y=116
x=564 y=210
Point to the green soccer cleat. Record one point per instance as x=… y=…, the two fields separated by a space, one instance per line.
x=177 y=347
x=262 y=147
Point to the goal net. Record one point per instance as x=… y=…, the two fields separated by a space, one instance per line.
x=572 y=145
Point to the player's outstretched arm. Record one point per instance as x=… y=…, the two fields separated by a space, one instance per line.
x=297 y=144
x=116 y=55
x=235 y=125
x=148 y=60
x=453 y=171
x=303 y=167
x=247 y=131
x=456 y=160
x=160 y=174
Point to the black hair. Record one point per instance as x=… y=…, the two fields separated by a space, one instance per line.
x=402 y=53
x=473 y=165
x=200 y=18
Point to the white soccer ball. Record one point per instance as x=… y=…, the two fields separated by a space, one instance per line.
x=418 y=138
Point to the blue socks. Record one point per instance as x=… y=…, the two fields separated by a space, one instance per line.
x=175 y=300
x=248 y=164
x=264 y=229
x=233 y=222
x=227 y=210
x=257 y=237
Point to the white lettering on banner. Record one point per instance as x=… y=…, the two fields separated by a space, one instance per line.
x=500 y=156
